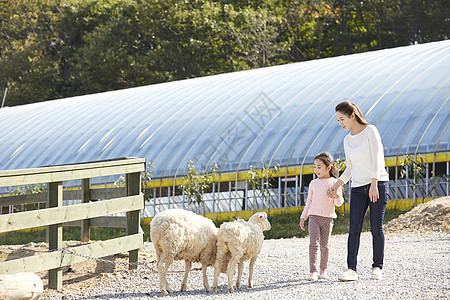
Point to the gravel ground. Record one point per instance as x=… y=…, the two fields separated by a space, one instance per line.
x=417 y=266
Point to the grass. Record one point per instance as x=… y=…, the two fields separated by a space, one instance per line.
x=38 y=235
x=283 y=226
x=286 y=225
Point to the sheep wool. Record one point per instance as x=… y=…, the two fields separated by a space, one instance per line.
x=239 y=241
x=178 y=234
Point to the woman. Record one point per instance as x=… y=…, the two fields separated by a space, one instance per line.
x=369 y=187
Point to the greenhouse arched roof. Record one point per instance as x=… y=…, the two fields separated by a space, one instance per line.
x=282 y=114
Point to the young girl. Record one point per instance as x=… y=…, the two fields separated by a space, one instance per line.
x=320 y=209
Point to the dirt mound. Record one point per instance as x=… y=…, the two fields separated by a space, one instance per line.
x=430 y=216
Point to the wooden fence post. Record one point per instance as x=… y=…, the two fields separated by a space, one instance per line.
x=133 y=186
x=55 y=233
x=85 y=198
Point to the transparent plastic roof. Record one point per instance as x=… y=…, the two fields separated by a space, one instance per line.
x=282 y=114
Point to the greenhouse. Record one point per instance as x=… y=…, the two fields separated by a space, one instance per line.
x=269 y=121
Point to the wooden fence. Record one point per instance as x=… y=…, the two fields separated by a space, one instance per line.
x=95 y=194
x=55 y=215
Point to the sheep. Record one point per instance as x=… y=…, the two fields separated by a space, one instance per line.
x=178 y=234
x=237 y=242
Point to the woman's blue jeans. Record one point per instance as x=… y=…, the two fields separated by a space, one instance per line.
x=359 y=201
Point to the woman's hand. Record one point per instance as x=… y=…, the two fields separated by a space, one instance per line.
x=332 y=192
x=302 y=224
x=373 y=192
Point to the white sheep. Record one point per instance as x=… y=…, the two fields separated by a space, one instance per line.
x=179 y=234
x=237 y=242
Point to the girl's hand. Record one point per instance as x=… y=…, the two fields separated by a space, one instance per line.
x=302 y=224
x=373 y=192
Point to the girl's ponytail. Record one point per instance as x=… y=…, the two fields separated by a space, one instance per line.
x=328 y=160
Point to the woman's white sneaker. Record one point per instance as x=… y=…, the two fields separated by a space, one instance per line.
x=377 y=273
x=348 y=275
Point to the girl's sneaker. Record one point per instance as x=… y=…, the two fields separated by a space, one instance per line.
x=348 y=275
x=313 y=276
x=323 y=274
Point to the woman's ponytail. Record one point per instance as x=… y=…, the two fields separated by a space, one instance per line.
x=348 y=108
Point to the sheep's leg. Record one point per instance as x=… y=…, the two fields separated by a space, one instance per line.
x=240 y=269
x=205 y=279
x=158 y=251
x=163 y=266
x=217 y=267
x=230 y=272
x=158 y=255
x=187 y=269
x=250 y=271
x=216 y=276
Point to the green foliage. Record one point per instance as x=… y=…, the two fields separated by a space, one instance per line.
x=38 y=235
x=414 y=170
x=28 y=189
x=197 y=184
x=260 y=180
x=59 y=48
x=340 y=164
x=287 y=225
x=27 y=44
x=257 y=36
x=146 y=177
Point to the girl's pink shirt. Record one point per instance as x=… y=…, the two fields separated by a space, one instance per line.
x=318 y=203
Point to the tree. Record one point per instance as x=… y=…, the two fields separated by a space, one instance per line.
x=414 y=171
x=417 y=21
x=146 y=177
x=260 y=181
x=27 y=50
x=27 y=190
x=60 y=48
x=256 y=35
x=196 y=184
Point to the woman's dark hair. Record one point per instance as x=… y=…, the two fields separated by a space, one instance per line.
x=328 y=160
x=348 y=108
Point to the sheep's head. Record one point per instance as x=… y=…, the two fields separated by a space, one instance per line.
x=260 y=220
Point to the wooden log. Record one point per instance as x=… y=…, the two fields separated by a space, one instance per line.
x=21 y=286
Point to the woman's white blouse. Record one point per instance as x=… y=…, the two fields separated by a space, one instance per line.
x=364 y=157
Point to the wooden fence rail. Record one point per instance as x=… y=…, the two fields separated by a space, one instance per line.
x=55 y=215
x=94 y=194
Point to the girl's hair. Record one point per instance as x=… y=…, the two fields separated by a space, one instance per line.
x=348 y=108
x=328 y=160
